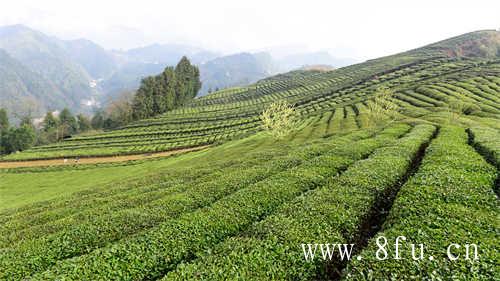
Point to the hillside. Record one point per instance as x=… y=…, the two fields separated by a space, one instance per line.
x=47 y=57
x=484 y=43
x=97 y=62
x=24 y=90
x=425 y=166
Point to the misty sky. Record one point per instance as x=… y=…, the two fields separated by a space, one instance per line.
x=350 y=28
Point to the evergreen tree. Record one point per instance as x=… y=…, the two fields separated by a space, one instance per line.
x=142 y=105
x=167 y=97
x=18 y=139
x=188 y=77
x=4 y=120
x=161 y=93
x=196 y=82
x=182 y=73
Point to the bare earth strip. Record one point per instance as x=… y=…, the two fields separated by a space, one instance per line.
x=95 y=160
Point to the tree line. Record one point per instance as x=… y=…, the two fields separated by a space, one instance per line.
x=158 y=94
x=53 y=128
x=166 y=91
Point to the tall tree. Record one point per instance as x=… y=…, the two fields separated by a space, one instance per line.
x=167 y=98
x=4 y=120
x=188 y=78
x=161 y=93
x=18 y=139
x=142 y=105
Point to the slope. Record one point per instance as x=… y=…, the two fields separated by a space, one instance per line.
x=240 y=210
x=25 y=91
x=46 y=56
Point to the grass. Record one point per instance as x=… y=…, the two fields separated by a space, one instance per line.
x=19 y=189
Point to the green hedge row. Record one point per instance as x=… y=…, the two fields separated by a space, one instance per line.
x=149 y=254
x=487 y=142
x=81 y=234
x=271 y=249
x=148 y=199
x=449 y=200
x=59 y=208
x=253 y=152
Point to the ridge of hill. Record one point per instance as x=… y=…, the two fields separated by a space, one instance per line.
x=22 y=88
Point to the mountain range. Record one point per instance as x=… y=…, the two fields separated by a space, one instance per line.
x=39 y=72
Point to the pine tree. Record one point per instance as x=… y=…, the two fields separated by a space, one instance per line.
x=169 y=94
x=188 y=77
x=142 y=105
x=161 y=93
x=4 y=120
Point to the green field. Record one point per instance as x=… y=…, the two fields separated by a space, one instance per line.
x=241 y=209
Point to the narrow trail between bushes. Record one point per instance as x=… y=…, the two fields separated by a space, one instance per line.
x=377 y=215
x=95 y=160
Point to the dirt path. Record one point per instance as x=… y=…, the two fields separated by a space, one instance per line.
x=94 y=160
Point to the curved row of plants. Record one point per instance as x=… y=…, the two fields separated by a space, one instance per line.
x=152 y=252
x=449 y=201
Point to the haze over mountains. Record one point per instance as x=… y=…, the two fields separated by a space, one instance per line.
x=39 y=72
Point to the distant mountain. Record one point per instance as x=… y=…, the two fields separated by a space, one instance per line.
x=128 y=78
x=169 y=54
x=219 y=72
x=296 y=61
x=49 y=58
x=79 y=74
x=24 y=91
x=98 y=62
x=135 y=64
x=235 y=70
x=54 y=73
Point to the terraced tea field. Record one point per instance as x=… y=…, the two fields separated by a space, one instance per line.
x=243 y=208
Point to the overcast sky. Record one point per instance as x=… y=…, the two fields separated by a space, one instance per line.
x=349 y=28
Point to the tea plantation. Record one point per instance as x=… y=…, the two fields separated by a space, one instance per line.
x=425 y=167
